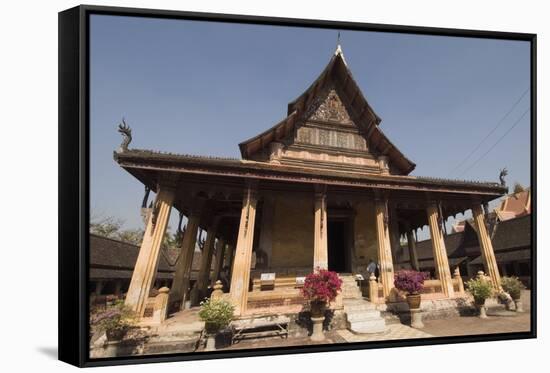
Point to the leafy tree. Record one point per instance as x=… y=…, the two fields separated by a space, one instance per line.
x=518 y=188
x=134 y=236
x=106 y=227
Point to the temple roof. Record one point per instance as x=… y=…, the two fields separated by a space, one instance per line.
x=338 y=74
x=515 y=205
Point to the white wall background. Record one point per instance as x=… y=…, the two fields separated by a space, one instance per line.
x=28 y=146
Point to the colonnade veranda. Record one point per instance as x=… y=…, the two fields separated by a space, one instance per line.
x=148 y=258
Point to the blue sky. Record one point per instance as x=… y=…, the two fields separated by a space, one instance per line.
x=203 y=87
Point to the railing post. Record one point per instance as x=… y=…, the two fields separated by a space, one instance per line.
x=218 y=290
x=373 y=288
x=161 y=306
x=458 y=279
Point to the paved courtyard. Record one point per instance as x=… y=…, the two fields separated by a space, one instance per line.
x=456 y=326
x=181 y=332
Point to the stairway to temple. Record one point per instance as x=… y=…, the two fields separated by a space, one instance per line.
x=362 y=315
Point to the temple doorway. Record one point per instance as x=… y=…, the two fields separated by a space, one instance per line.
x=338 y=245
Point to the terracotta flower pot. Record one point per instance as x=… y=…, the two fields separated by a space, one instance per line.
x=318 y=308
x=414 y=301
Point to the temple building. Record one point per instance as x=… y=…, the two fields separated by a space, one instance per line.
x=323 y=188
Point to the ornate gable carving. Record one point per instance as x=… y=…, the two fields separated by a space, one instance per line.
x=331 y=109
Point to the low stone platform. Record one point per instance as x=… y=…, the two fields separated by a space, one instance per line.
x=432 y=309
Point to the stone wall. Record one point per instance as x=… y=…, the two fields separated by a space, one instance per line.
x=292 y=231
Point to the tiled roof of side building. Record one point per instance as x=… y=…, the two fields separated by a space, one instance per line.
x=511 y=234
x=115 y=254
x=118 y=258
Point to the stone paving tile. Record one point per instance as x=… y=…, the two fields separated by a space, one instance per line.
x=472 y=325
x=394 y=331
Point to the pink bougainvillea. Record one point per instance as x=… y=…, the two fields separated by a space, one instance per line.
x=409 y=280
x=321 y=286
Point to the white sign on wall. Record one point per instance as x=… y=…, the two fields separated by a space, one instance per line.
x=267 y=277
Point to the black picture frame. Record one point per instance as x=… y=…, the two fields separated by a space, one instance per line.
x=73 y=165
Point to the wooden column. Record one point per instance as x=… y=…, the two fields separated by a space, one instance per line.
x=243 y=254
x=442 y=269
x=395 y=243
x=180 y=285
x=320 y=244
x=147 y=262
x=229 y=258
x=486 y=246
x=206 y=262
x=384 y=249
x=220 y=253
x=413 y=256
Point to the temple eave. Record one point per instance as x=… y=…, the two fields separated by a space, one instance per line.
x=148 y=161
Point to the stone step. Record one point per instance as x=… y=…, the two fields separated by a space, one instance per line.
x=350 y=286
x=354 y=300
x=364 y=316
x=352 y=294
x=360 y=307
x=353 y=289
x=369 y=326
x=390 y=318
x=172 y=346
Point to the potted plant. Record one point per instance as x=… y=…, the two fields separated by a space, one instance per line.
x=481 y=289
x=320 y=288
x=115 y=321
x=217 y=315
x=513 y=286
x=410 y=282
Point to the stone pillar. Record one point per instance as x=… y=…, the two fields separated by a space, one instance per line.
x=486 y=246
x=241 y=268
x=206 y=263
x=384 y=249
x=147 y=262
x=118 y=287
x=98 y=287
x=180 y=284
x=373 y=289
x=458 y=279
x=220 y=253
x=413 y=256
x=217 y=292
x=320 y=244
x=441 y=261
x=160 y=310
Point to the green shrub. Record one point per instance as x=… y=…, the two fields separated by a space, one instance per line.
x=513 y=286
x=216 y=313
x=480 y=289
